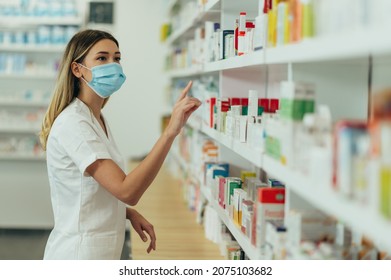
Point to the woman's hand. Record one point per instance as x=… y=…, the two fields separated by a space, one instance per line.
x=381 y=104
x=182 y=110
x=141 y=225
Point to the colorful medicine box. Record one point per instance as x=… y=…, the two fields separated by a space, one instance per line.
x=269 y=207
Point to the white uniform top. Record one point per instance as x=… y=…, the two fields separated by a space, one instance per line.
x=89 y=221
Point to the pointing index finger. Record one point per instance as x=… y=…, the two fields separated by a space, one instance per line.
x=185 y=91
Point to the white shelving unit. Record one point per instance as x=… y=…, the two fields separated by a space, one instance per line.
x=250 y=250
x=212 y=5
x=356 y=215
x=242 y=149
x=185 y=29
x=12 y=103
x=22 y=129
x=29 y=76
x=32 y=49
x=26 y=86
x=22 y=157
x=338 y=65
x=22 y=21
x=353 y=46
x=209 y=11
x=193 y=71
x=324 y=197
x=171 y=4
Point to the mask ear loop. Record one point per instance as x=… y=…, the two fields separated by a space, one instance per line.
x=88 y=84
x=82 y=74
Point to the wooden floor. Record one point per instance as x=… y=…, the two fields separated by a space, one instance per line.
x=179 y=236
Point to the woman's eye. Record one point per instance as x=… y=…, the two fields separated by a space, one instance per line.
x=101 y=58
x=118 y=59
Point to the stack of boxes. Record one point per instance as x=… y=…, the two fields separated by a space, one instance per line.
x=240 y=118
x=246 y=200
x=297 y=99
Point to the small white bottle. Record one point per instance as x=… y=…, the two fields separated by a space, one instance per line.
x=252 y=103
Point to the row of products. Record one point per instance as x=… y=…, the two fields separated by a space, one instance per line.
x=257 y=208
x=306 y=140
x=350 y=155
x=217 y=232
x=248 y=201
x=38 y=8
x=26 y=96
x=290 y=21
x=180 y=15
x=279 y=22
x=20 y=146
x=212 y=42
x=43 y=35
x=290 y=134
x=11 y=63
x=270 y=125
x=362 y=158
x=21 y=119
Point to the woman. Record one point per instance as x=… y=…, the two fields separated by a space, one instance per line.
x=89 y=189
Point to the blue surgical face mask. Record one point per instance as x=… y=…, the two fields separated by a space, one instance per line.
x=106 y=79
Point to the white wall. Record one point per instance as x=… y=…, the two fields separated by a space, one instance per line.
x=135 y=111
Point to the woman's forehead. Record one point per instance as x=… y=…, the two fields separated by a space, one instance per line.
x=105 y=45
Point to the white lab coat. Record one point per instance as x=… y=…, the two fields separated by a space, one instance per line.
x=89 y=221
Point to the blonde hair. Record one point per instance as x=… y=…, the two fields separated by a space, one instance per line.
x=68 y=86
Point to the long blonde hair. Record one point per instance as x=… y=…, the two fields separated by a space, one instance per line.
x=68 y=86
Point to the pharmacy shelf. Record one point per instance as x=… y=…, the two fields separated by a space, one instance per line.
x=361 y=218
x=170 y=5
x=242 y=149
x=210 y=12
x=183 y=31
x=254 y=59
x=323 y=197
x=186 y=72
x=32 y=48
x=16 y=103
x=209 y=6
x=16 y=129
x=343 y=46
x=180 y=161
x=6 y=157
x=351 y=46
x=16 y=22
x=212 y=5
x=251 y=251
x=40 y=76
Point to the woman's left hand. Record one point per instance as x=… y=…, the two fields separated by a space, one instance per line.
x=141 y=225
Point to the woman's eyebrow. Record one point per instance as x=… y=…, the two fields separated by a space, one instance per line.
x=104 y=52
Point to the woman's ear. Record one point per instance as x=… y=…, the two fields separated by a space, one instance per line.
x=75 y=67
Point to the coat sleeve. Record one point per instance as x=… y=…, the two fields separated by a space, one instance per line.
x=82 y=142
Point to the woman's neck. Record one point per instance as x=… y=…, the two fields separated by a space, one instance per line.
x=93 y=101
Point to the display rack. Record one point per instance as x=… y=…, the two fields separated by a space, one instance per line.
x=31 y=47
x=208 y=12
x=337 y=63
x=22 y=21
